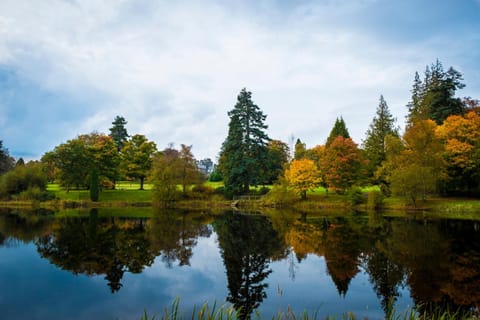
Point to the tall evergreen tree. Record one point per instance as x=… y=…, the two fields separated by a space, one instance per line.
x=339 y=129
x=118 y=132
x=374 y=144
x=244 y=151
x=435 y=98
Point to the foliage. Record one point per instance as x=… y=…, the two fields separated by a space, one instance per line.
x=6 y=161
x=434 y=98
x=118 y=132
x=166 y=175
x=72 y=162
x=23 y=178
x=339 y=130
x=342 y=164
x=461 y=136
x=278 y=154
x=215 y=176
x=300 y=149
x=374 y=144
x=414 y=168
x=189 y=172
x=244 y=152
x=136 y=157
x=302 y=175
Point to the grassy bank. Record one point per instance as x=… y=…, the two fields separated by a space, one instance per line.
x=128 y=194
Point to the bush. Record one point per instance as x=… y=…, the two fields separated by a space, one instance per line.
x=35 y=193
x=280 y=195
x=23 y=178
x=215 y=176
x=356 y=196
x=201 y=191
x=375 y=199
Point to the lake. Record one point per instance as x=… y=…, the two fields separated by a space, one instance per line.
x=116 y=264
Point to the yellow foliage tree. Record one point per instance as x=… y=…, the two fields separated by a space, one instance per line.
x=303 y=175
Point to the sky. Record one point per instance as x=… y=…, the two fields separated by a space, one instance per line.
x=173 y=69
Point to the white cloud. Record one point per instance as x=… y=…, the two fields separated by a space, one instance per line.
x=174 y=69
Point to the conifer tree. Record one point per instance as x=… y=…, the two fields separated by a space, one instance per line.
x=339 y=129
x=374 y=144
x=118 y=132
x=244 y=151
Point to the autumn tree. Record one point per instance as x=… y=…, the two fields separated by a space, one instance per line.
x=461 y=136
x=189 y=173
x=302 y=175
x=137 y=157
x=118 y=132
x=166 y=168
x=339 y=130
x=417 y=168
x=244 y=151
x=342 y=164
x=374 y=143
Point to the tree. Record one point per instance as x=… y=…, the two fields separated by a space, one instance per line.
x=118 y=132
x=374 y=144
x=303 y=175
x=166 y=169
x=461 y=136
x=342 y=164
x=189 y=173
x=417 y=168
x=137 y=157
x=300 y=149
x=244 y=151
x=278 y=153
x=339 y=129
x=22 y=178
x=6 y=162
x=434 y=98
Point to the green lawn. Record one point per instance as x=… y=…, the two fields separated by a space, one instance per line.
x=128 y=192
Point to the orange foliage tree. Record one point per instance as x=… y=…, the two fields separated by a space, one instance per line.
x=461 y=136
x=342 y=163
x=303 y=175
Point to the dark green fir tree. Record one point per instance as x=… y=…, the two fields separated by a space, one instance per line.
x=339 y=129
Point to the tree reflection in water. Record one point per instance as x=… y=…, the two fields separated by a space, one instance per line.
x=248 y=243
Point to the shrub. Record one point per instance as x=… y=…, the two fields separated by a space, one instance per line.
x=35 y=193
x=201 y=191
x=280 y=195
x=215 y=176
x=23 y=178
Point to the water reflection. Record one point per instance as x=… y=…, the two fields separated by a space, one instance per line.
x=248 y=243
x=437 y=262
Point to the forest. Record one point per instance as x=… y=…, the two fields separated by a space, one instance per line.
x=437 y=153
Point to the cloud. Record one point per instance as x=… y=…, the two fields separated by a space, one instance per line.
x=173 y=70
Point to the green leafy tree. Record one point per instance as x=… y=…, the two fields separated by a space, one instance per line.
x=118 y=132
x=339 y=129
x=244 y=152
x=166 y=175
x=278 y=154
x=22 y=178
x=137 y=157
x=6 y=161
x=374 y=144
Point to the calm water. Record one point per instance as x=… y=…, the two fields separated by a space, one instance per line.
x=99 y=266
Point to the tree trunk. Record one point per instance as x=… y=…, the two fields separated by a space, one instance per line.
x=141 y=182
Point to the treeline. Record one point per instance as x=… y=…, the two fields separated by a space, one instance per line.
x=438 y=152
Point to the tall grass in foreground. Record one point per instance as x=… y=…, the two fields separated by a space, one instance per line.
x=224 y=312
